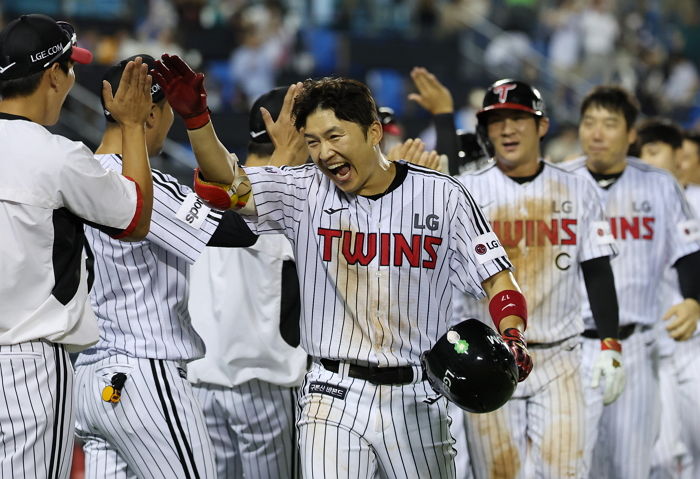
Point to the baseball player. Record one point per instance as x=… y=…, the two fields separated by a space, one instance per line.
x=136 y=412
x=381 y=248
x=659 y=143
x=248 y=378
x=50 y=187
x=552 y=225
x=651 y=222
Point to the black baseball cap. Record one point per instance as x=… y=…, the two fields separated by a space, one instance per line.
x=114 y=74
x=272 y=101
x=31 y=43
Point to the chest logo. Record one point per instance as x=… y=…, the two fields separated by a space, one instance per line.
x=331 y=211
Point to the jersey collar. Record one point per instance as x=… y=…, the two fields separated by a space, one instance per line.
x=10 y=116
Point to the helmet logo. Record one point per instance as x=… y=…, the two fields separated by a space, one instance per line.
x=461 y=346
x=503 y=90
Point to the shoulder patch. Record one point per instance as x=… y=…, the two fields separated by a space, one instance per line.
x=601 y=233
x=689 y=230
x=487 y=247
x=193 y=211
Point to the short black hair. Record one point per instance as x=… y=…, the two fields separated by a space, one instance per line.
x=613 y=98
x=349 y=99
x=659 y=130
x=25 y=86
x=261 y=149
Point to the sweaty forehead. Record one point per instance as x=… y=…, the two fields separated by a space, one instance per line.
x=323 y=120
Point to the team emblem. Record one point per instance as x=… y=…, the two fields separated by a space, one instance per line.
x=480 y=249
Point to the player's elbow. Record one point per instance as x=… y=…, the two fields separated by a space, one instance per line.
x=140 y=230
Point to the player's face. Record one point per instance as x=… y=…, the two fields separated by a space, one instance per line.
x=515 y=136
x=661 y=155
x=689 y=163
x=605 y=139
x=345 y=154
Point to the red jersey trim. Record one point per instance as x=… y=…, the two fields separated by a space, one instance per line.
x=137 y=214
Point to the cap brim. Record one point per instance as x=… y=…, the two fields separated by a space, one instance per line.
x=81 y=55
x=508 y=106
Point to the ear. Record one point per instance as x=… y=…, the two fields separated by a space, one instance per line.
x=631 y=136
x=153 y=116
x=375 y=133
x=543 y=126
x=55 y=76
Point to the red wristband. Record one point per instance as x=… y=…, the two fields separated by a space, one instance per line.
x=508 y=303
x=610 y=343
x=197 y=121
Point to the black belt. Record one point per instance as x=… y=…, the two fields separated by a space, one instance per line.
x=624 y=332
x=375 y=374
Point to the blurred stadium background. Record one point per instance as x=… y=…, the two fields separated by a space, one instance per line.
x=563 y=47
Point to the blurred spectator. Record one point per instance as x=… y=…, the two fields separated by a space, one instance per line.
x=564 y=146
x=599 y=29
x=457 y=15
x=681 y=85
x=509 y=54
x=264 y=49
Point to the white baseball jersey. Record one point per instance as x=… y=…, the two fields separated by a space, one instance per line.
x=377 y=276
x=141 y=288
x=547 y=226
x=650 y=219
x=235 y=303
x=652 y=224
x=49 y=186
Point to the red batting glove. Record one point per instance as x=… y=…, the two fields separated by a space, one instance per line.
x=516 y=342
x=184 y=90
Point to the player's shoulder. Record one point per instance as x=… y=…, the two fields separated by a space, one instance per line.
x=563 y=173
x=433 y=176
x=576 y=165
x=639 y=167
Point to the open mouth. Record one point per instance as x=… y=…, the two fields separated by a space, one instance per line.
x=510 y=146
x=340 y=171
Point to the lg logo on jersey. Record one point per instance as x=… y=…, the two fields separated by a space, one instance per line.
x=432 y=222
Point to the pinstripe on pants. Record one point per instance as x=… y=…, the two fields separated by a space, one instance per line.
x=252 y=429
x=157 y=430
x=375 y=431
x=36 y=411
x=540 y=430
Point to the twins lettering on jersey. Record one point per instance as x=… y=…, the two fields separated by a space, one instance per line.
x=391 y=248
x=418 y=250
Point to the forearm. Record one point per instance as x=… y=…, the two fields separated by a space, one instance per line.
x=447 y=141
x=602 y=297
x=495 y=286
x=215 y=163
x=137 y=167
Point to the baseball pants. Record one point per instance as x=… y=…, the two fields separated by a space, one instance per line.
x=622 y=434
x=350 y=428
x=36 y=411
x=252 y=429
x=686 y=361
x=540 y=431
x=671 y=458
x=156 y=430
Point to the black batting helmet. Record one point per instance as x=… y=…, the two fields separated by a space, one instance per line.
x=472 y=367
x=507 y=94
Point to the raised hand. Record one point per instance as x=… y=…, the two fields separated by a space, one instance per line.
x=290 y=147
x=432 y=95
x=131 y=104
x=184 y=90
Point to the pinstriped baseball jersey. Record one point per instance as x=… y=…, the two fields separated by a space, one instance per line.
x=650 y=220
x=140 y=292
x=547 y=226
x=377 y=275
